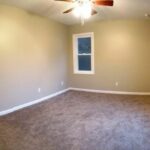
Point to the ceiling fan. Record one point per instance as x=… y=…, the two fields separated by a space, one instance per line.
x=85 y=8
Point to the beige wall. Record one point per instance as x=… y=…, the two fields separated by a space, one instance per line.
x=122 y=54
x=33 y=54
x=34 y=50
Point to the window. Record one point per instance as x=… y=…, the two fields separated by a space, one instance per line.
x=83 y=51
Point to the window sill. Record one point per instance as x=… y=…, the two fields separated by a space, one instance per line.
x=84 y=72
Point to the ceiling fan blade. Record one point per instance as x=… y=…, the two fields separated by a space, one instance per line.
x=94 y=12
x=104 y=2
x=65 y=1
x=68 y=11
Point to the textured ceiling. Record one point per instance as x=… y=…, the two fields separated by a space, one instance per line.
x=122 y=9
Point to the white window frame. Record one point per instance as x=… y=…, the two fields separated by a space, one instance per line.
x=75 y=53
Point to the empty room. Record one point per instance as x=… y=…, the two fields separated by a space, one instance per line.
x=74 y=74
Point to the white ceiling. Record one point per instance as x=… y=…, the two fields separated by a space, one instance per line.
x=122 y=9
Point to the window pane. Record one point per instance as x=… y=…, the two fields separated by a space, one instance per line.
x=84 y=45
x=84 y=62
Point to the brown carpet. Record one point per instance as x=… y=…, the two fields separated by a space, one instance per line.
x=80 y=121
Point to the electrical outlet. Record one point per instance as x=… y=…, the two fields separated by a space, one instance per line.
x=62 y=83
x=116 y=83
x=39 y=90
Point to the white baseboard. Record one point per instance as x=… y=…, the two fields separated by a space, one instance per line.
x=110 y=92
x=5 y=112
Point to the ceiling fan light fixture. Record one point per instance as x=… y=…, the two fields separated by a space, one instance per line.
x=83 y=9
x=87 y=10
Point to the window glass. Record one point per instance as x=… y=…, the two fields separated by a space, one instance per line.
x=84 y=62
x=84 y=45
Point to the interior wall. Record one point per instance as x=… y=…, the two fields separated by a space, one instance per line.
x=33 y=54
x=122 y=54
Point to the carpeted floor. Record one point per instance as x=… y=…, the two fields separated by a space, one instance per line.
x=80 y=121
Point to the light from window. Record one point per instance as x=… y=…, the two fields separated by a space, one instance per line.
x=83 y=50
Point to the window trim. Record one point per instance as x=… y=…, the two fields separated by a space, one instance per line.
x=75 y=53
